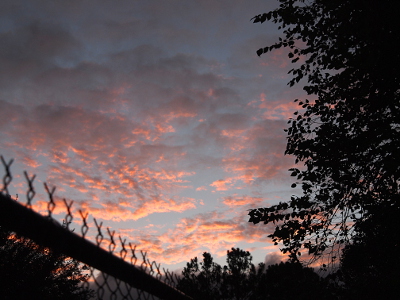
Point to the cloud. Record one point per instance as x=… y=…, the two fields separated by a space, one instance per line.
x=274 y=258
x=239 y=200
x=222 y=184
x=134 y=111
x=213 y=232
x=201 y=188
x=159 y=205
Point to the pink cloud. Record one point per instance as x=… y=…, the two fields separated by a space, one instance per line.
x=201 y=188
x=161 y=205
x=209 y=232
x=29 y=161
x=238 y=200
x=222 y=184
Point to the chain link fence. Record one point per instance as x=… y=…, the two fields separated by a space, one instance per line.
x=117 y=270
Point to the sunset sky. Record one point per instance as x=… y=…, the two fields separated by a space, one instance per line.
x=156 y=117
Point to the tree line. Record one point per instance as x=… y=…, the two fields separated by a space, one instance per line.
x=240 y=279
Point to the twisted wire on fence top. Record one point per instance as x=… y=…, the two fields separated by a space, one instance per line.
x=147 y=266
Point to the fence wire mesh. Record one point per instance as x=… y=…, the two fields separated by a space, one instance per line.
x=116 y=268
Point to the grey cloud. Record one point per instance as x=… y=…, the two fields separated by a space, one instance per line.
x=38 y=41
x=272 y=259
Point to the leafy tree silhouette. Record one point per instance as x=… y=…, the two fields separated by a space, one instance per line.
x=208 y=280
x=29 y=271
x=240 y=279
x=291 y=280
x=347 y=138
x=369 y=266
x=201 y=280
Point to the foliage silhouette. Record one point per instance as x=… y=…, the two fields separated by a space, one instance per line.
x=240 y=279
x=348 y=138
x=29 y=271
x=291 y=280
x=201 y=280
x=208 y=280
x=369 y=266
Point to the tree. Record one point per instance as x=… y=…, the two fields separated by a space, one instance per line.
x=291 y=280
x=240 y=275
x=346 y=139
x=240 y=279
x=201 y=280
x=369 y=266
x=208 y=280
x=29 y=271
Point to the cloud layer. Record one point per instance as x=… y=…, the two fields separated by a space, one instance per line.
x=149 y=116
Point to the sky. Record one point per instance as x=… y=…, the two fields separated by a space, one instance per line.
x=156 y=117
